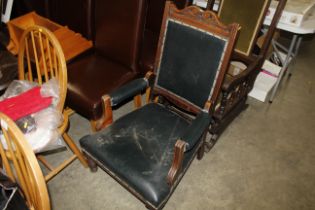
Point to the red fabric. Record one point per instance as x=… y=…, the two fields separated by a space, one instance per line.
x=24 y=104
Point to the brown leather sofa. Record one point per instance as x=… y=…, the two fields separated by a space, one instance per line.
x=118 y=30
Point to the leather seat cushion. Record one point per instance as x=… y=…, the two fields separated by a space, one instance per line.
x=148 y=52
x=89 y=78
x=138 y=150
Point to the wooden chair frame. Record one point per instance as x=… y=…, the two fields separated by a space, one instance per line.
x=207 y=21
x=236 y=88
x=47 y=57
x=20 y=165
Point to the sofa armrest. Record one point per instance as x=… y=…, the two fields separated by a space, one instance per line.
x=193 y=135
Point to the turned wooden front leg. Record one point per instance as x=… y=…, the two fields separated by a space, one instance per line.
x=107 y=117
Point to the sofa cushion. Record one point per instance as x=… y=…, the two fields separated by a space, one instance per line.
x=89 y=78
x=138 y=149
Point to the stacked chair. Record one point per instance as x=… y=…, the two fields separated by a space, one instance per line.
x=235 y=88
x=149 y=150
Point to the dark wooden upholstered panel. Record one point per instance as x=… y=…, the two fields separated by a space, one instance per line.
x=190 y=61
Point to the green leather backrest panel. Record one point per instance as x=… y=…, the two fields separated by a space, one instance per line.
x=190 y=62
x=248 y=13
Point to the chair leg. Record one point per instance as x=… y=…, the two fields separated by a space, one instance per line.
x=107 y=117
x=137 y=101
x=201 y=152
x=92 y=164
x=75 y=149
x=211 y=142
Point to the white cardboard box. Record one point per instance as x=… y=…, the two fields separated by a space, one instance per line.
x=263 y=86
x=271 y=68
x=294 y=13
x=265 y=81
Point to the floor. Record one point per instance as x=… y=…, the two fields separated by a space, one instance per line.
x=264 y=160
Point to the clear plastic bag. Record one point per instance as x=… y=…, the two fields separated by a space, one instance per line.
x=17 y=87
x=40 y=128
x=51 y=88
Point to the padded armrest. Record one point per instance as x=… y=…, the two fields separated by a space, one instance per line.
x=186 y=143
x=196 y=130
x=130 y=89
x=231 y=81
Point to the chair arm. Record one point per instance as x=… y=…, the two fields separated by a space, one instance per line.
x=186 y=143
x=196 y=130
x=130 y=89
x=231 y=81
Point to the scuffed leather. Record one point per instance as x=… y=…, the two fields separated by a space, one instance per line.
x=130 y=89
x=138 y=149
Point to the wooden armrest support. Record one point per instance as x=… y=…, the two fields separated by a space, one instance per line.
x=231 y=81
x=242 y=58
x=175 y=169
x=107 y=117
x=149 y=76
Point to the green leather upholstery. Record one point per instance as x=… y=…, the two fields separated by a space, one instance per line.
x=130 y=89
x=150 y=149
x=138 y=148
x=193 y=57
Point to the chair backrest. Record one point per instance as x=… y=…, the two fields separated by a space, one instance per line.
x=21 y=166
x=194 y=50
x=118 y=30
x=154 y=15
x=250 y=15
x=41 y=58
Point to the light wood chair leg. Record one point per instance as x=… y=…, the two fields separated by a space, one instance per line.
x=59 y=168
x=147 y=95
x=43 y=160
x=137 y=101
x=75 y=149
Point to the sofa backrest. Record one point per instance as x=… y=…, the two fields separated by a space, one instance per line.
x=119 y=28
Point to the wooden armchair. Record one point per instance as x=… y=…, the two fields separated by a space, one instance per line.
x=149 y=150
x=235 y=88
x=40 y=59
x=20 y=165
